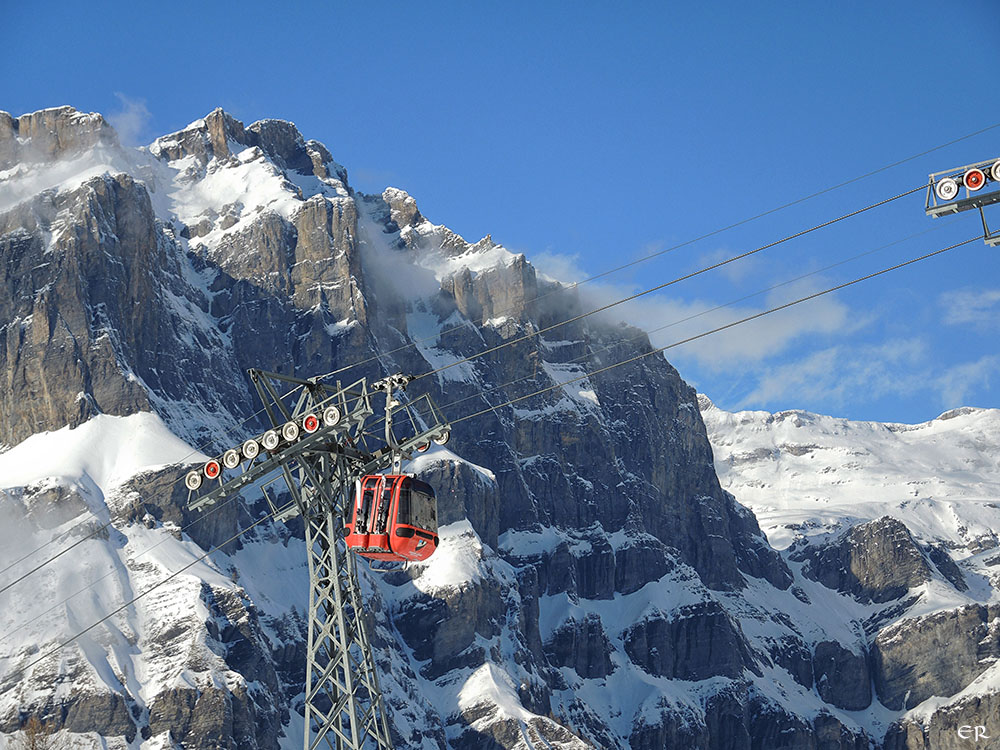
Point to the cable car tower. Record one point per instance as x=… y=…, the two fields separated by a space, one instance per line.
x=943 y=190
x=319 y=445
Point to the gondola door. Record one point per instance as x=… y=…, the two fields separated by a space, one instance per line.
x=370 y=527
x=361 y=524
x=394 y=517
x=414 y=528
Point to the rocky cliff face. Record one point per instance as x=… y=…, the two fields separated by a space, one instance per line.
x=596 y=585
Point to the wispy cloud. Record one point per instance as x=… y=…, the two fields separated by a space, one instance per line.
x=737 y=272
x=670 y=319
x=838 y=375
x=559 y=266
x=980 y=307
x=803 y=355
x=843 y=375
x=131 y=121
x=959 y=381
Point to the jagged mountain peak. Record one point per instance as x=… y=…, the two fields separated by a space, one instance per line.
x=51 y=134
x=402 y=207
x=219 y=135
x=444 y=252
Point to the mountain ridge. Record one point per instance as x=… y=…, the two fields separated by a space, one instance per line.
x=626 y=602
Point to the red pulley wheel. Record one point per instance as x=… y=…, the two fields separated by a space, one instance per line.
x=310 y=423
x=974 y=179
x=212 y=469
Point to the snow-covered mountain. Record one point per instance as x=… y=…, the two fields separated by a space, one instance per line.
x=902 y=519
x=596 y=585
x=806 y=475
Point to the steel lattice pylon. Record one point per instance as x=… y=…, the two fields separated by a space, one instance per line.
x=340 y=669
x=344 y=708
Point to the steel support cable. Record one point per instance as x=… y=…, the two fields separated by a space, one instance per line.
x=54 y=650
x=664 y=285
x=689 y=339
x=198 y=519
x=658 y=350
x=56 y=556
x=39 y=548
x=694 y=316
x=686 y=243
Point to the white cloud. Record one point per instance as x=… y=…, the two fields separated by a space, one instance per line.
x=837 y=375
x=958 y=381
x=841 y=375
x=669 y=320
x=131 y=121
x=736 y=272
x=559 y=267
x=967 y=306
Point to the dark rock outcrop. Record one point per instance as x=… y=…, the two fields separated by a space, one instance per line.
x=876 y=561
x=937 y=654
x=842 y=676
x=583 y=646
x=697 y=642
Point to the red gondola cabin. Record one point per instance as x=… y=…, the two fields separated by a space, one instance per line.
x=394 y=518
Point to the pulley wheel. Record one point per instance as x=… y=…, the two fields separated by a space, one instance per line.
x=974 y=179
x=193 y=480
x=250 y=449
x=290 y=431
x=331 y=416
x=946 y=189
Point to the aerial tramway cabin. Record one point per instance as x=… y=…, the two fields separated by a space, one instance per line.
x=394 y=517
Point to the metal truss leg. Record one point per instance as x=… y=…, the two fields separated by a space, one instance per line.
x=343 y=702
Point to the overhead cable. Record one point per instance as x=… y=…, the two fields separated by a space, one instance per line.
x=664 y=285
x=689 y=339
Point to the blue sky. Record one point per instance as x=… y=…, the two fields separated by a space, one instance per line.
x=587 y=135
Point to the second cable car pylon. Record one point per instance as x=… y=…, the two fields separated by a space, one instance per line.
x=944 y=193
x=320 y=446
